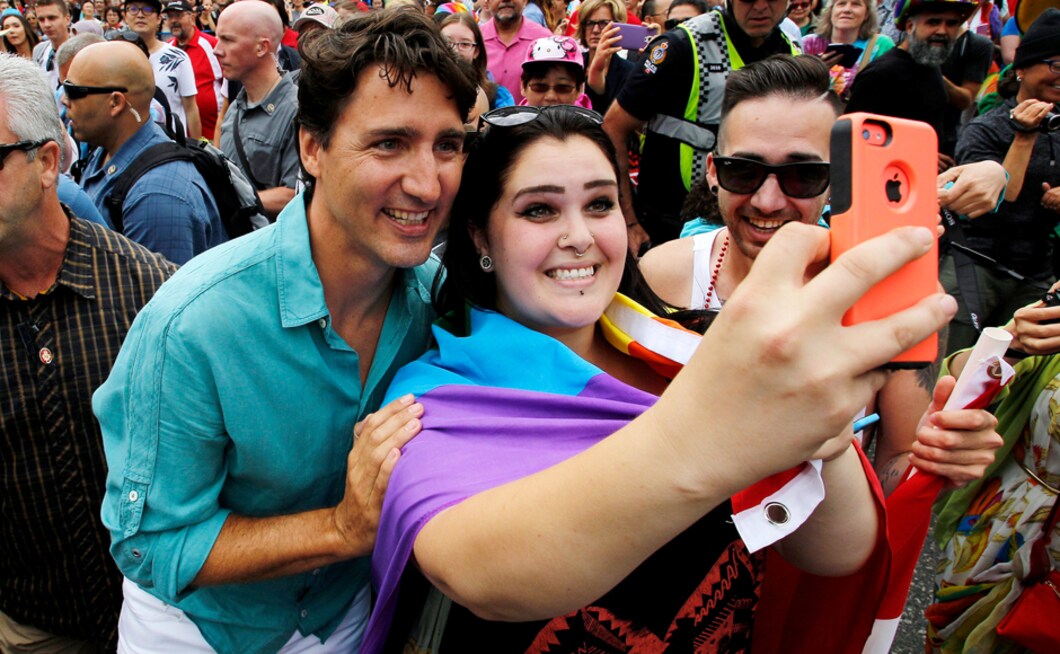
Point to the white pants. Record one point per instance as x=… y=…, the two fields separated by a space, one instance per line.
x=150 y=626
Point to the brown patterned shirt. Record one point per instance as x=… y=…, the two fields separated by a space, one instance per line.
x=55 y=349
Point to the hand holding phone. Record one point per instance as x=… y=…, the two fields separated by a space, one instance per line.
x=883 y=176
x=849 y=53
x=634 y=37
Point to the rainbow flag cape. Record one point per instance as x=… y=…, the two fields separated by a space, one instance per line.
x=505 y=402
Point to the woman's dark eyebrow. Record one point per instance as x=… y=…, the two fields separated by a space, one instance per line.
x=544 y=188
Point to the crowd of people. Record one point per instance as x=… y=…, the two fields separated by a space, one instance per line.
x=416 y=326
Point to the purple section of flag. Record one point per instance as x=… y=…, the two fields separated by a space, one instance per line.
x=475 y=438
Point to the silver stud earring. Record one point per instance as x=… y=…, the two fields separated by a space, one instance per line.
x=486 y=263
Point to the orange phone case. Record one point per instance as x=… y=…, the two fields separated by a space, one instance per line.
x=883 y=175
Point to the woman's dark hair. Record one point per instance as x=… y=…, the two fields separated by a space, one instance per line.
x=540 y=69
x=402 y=42
x=487 y=171
x=31 y=35
x=1008 y=85
x=111 y=10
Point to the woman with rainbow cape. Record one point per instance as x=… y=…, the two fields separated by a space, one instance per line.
x=565 y=493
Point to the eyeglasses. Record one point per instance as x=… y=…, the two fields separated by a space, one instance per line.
x=24 y=146
x=1054 y=65
x=144 y=10
x=542 y=88
x=515 y=116
x=593 y=25
x=803 y=179
x=462 y=46
x=76 y=91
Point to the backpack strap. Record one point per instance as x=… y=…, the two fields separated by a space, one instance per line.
x=150 y=158
x=243 y=162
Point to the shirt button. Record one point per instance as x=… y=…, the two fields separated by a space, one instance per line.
x=271 y=108
x=776 y=513
x=304 y=613
x=110 y=171
x=136 y=554
x=316 y=572
x=133 y=496
x=323 y=322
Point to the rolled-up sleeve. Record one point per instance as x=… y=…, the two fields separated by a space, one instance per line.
x=164 y=439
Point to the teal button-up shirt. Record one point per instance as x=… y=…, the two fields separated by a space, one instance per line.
x=232 y=393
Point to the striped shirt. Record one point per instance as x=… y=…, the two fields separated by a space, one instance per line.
x=55 y=349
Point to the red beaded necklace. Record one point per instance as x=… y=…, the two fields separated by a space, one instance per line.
x=717 y=269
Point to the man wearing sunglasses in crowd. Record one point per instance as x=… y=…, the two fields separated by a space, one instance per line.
x=766 y=173
x=675 y=95
x=169 y=209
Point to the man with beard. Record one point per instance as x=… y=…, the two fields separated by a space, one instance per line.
x=907 y=82
x=507 y=36
x=199 y=46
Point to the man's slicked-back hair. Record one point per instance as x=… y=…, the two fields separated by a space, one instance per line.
x=401 y=42
x=29 y=107
x=795 y=78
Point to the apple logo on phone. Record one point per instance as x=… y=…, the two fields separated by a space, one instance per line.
x=893 y=189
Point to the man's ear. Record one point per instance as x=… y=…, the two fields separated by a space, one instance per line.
x=309 y=149
x=712 y=174
x=50 y=155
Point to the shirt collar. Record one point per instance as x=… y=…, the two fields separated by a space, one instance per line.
x=301 y=293
x=270 y=102
x=75 y=272
x=148 y=134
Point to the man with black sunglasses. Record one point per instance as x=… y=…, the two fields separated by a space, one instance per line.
x=675 y=94
x=767 y=173
x=169 y=209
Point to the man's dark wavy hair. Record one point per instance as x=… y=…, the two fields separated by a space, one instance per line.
x=403 y=43
x=798 y=78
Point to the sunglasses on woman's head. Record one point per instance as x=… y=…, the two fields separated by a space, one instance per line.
x=801 y=180
x=515 y=116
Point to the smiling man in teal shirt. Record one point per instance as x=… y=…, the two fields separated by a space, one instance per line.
x=237 y=510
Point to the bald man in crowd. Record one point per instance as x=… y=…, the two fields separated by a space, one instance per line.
x=258 y=131
x=170 y=209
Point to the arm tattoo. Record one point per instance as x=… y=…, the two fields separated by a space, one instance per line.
x=928 y=375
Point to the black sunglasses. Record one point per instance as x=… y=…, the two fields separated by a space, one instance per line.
x=76 y=91
x=515 y=116
x=24 y=146
x=672 y=23
x=803 y=179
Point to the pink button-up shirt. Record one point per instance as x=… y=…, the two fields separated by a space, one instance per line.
x=505 y=62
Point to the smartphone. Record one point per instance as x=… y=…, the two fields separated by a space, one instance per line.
x=883 y=175
x=1051 y=299
x=634 y=37
x=850 y=53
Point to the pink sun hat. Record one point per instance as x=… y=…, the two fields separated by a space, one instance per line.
x=554 y=49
